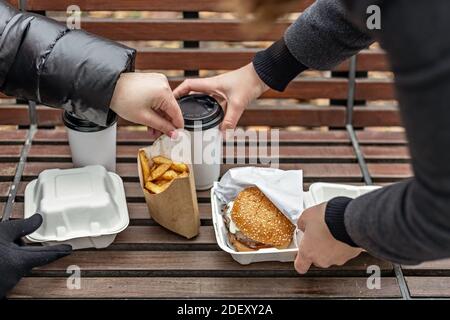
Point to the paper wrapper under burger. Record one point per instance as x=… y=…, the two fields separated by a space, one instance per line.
x=175 y=208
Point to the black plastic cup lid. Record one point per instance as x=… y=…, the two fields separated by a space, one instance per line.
x=75 y=123
x=200 y=109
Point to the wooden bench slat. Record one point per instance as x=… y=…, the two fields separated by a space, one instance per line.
x=370 y=60
x=126 y=136
x=39 y=152
x=128 y=152
x=371 y=89
x=299 y=116
x=132 y=5
x=137 y=207
x=4 y=188
x=230 y=59
x=381 y=137
x=429 y=287
x=193 y=59
x=10 y=151
x=385 y=153
x=303 y=115
x=156 y=287
x=128 y=171
x=10 y=136
x=313 y=116
x=137 y=211
x=313 y=88
x=188 y=261
x=134 y=193
x=432 y=268
x=152 y=235
x=177 y=29
x=7 y=171
x=388 y=171
x=372 y=116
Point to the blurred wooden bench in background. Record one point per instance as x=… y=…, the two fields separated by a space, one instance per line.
x=190 y=38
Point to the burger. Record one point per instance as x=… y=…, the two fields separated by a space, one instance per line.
x=254 y=222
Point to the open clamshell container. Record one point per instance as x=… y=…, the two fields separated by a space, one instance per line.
x=318 y=193
x=84 y=207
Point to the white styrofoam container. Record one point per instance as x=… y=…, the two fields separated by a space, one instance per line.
x=318 y=193
x=84 y=207
x=321 y=192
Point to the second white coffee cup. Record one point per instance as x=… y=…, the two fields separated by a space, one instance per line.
x=91 y=144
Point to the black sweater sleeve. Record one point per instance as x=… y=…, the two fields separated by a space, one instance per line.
x=321 y=38
x=44 y=61
x=276 y=66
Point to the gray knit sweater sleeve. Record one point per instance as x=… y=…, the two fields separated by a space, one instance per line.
x=323 y=36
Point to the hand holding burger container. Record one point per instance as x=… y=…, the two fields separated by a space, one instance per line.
x=255 y=211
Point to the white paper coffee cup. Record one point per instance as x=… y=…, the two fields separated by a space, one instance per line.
x=208 y=171
x=202 y=118
x=91 y=144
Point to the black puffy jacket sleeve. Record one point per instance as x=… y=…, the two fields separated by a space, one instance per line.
x=45 y=61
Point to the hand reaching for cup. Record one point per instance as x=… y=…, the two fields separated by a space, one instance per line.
x=234 y=90
x=146 y=98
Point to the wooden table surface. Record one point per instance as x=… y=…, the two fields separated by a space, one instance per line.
x=147 y=261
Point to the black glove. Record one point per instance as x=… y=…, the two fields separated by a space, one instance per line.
x=15 y=260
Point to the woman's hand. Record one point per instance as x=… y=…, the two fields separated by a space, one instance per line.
x=146 y=98
x=318 y=246
x=233 y=90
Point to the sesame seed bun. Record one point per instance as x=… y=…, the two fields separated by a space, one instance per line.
x=260 y=220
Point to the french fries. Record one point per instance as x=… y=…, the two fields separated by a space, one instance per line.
x=179 y=167
x=161 y=160
x=169 y=175
x=183 y=175
x=154 y=188
x=161 y=182
x=159 y=173
x=160 y=170
x=145 y=166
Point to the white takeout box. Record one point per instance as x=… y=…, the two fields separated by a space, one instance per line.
x=318 y=193
x=84 y=207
